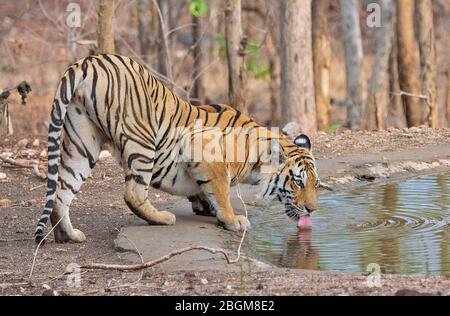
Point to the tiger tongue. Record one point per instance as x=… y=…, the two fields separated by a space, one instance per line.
x=304 y=222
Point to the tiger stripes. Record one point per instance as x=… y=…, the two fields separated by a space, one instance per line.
x=112 y=99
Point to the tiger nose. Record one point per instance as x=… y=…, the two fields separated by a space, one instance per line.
x=310 y=209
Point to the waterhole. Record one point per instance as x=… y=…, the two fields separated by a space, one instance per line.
x=404 y=228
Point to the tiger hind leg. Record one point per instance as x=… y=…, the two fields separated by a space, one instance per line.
x=80 y=151
x=138 y=174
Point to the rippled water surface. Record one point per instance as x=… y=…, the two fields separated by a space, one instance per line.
x=404 y=228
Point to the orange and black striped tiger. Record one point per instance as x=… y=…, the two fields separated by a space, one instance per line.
x=113 y=99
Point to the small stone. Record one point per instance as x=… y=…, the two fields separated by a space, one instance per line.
x=43 y=154
x=292 y=129
x=189 y=274
x=3 y=176
x=22 y=143
x=328 y=145
x=36 y=143
x=5 y=203
x=104 y=155
x=204 y=281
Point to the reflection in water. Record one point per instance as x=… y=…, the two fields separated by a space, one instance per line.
x=402 y=227
x=299 y=252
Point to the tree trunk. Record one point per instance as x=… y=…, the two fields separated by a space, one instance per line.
x=273 y=45
x=408 y=61
x=105 y=27
x=145 y=28
x=428 y=61
x=297 y=83
x=322 y=62
x=396 y=113
x=164 y=59
x=236 y=45
x=199 y=58
x=354 y=62
x=378 y=98
x=448 y=99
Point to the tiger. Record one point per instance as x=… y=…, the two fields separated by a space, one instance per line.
x=112 y=99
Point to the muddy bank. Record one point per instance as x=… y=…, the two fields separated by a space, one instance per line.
x=100 y=212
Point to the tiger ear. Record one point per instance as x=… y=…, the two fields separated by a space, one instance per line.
x=303 y=141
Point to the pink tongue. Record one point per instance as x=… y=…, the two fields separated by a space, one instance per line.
x=304 y=222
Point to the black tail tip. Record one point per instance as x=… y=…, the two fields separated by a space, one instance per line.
x=38 y=238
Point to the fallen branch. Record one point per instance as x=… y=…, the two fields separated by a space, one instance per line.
x=6 y=285
x=31 y=165
x=40 y=243
x=148 y=264
x=16 y=240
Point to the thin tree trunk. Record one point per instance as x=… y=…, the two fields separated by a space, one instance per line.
x=354 y=62
x=274 y=62
x=408 y=61
x=275 y=109
x=322 y=62
x=448 y=99
x=396 y=112
x=105 y=27
x=145 y=28
x=378 y=97
x=164 y=59
x=199 y=58
x=297 y=83
x=428 y=60
x=236 y=45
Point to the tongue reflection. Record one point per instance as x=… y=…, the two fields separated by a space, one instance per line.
x=304 y=223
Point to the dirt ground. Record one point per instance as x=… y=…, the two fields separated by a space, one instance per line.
x=99 y=211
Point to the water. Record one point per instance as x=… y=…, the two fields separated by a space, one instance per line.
x=402 y=227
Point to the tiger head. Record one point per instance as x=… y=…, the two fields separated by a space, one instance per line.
x=295 y=183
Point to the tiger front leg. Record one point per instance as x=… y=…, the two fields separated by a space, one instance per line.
x=215 y=184
x=201 y=205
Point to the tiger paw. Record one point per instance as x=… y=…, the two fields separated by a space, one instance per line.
x=168 y=218
x=201 y=212
x=75 y=236
x=161 y=218
x=238 y=223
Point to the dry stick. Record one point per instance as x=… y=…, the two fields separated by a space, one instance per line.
x=245 y=230
x=202 y=71
x=38 y=187
x=148 y=264
x=40 y=243
x=16 y=240
x=33 y=165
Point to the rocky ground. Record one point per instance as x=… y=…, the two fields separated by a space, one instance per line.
x=344 y=159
